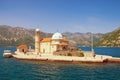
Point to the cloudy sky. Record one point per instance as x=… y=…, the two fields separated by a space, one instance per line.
x=97 y=16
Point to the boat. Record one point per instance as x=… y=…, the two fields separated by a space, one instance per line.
x=7 y=54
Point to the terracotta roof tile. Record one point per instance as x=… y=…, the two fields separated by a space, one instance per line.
x=22 y=47
x=46 y=40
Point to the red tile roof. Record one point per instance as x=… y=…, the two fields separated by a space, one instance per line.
x=22 y=47
x=46 y=40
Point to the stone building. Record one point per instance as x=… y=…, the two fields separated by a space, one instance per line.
x=49 y=45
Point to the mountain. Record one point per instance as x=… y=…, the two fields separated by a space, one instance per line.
x=14 y=36
x=83 y=38
x=110 y=39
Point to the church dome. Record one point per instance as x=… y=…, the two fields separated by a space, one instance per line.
x=57 y=36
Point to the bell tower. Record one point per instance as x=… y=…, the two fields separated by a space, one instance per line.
x=37 y=41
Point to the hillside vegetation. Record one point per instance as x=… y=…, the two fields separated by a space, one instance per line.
x=112 y=39
x=14 y=36
x=83 y=39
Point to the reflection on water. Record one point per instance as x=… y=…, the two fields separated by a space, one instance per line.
x=63 y=71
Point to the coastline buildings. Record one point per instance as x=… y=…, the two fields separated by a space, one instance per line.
x=52 y=44
x=57 y=43
x=48 y=45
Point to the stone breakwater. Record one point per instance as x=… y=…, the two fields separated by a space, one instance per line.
x=48 y=57
x=113 y=60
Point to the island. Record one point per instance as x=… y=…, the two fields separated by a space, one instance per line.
x=57 y=48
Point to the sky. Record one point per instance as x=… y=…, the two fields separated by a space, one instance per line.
x=96 y=16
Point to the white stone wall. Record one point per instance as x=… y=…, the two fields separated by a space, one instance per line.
x=88 y=54
x=53 y=48
x=47 y=47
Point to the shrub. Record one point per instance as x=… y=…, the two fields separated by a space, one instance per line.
x=81 y=54
x=69 y=54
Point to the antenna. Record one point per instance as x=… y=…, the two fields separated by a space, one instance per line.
x=92 y=42
x=92 y=49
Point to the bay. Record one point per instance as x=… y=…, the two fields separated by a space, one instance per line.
x=13 y=69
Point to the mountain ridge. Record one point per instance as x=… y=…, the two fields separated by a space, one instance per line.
x=112 y=39
x=14 y=36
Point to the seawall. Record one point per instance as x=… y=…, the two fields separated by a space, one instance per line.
x=54 y=58
x=113 y=60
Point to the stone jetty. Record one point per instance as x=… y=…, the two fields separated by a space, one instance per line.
x=49 y=57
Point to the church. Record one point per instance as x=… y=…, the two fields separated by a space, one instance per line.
x=49 y=45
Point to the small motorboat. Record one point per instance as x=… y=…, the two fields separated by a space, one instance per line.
x=7 y=54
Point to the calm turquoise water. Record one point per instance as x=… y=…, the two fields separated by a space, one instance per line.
x=12 y=69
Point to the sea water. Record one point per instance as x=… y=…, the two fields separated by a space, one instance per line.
x=13 y=69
